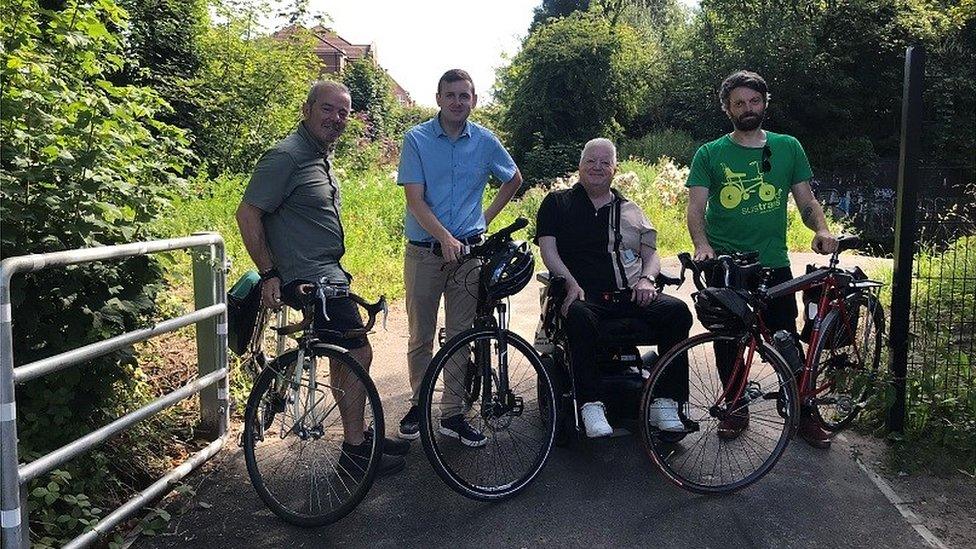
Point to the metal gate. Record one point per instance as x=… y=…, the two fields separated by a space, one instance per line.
x=210 y=316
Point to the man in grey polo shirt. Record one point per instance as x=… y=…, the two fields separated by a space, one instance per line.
x=291 y=226
x=444 y=168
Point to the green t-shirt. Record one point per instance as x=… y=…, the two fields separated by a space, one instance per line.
x=747 y=208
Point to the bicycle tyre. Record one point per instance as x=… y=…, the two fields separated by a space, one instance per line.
x=835 y=411
x=668 y=450
x=345 y=483
x=535 y=424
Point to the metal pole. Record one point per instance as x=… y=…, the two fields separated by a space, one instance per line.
x=220 y=289
x=11 y=527
x=905 y=230
x=205 y=295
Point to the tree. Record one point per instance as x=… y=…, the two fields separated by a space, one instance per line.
x=576 y=78
x=163 y=51
x=249 y=90
x=372 y=94
x=554 y=9
x=835 y=71
x=85 y=162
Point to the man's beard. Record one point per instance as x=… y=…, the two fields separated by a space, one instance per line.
x=748 y=122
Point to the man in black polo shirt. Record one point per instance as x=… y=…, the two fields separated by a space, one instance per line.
x=606 y=249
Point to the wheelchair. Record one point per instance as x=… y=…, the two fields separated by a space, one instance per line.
x=623 y=368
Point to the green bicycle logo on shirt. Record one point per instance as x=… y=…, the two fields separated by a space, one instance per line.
x=735 y=190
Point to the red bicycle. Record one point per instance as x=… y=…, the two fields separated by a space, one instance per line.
x=740 y=372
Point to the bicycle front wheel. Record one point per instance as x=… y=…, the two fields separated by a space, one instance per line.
x=294 y=435
x=518 y=424
x=737 y=422
x=847 y=360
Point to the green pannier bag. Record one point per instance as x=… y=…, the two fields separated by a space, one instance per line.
x=243 y=305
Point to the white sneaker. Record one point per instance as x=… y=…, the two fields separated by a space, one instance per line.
x=663 y=414
x=595 y=420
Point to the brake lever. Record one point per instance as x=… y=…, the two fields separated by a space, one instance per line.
x=321 y=293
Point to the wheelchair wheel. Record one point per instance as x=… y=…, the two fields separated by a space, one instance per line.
x=518 y=425
x=565 y=415
x=706 y=458
x=293 y=436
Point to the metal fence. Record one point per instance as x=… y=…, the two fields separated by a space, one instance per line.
x=933 y=309
x=942 y=332
x=209 y=271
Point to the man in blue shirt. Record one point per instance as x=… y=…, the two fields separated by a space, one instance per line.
x=444 y=168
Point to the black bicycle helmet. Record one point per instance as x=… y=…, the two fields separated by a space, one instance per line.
x=508 y=270
x=723 y=310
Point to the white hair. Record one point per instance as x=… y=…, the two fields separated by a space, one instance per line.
x=599 y=142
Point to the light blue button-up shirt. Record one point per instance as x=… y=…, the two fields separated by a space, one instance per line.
x=454 y=175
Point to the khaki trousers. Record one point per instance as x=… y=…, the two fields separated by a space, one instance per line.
x=427 y=278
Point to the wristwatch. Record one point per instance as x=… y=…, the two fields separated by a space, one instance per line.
x=270 y=273
x=649 y=278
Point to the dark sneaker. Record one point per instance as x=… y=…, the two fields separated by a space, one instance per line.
x=391 y=447
x=732 y=426
x=354 y=460
x=457 y=427
x=410 y=424
x=811 y=431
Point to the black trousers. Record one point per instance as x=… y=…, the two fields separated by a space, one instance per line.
x=780 y=314
x=667 y=321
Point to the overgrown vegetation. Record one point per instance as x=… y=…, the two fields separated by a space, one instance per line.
x=940 y=427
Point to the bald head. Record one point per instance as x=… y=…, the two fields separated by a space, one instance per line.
x=326 y=111
x=323 y=87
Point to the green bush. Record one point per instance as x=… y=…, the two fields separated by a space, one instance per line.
x=678 y=145
x=372 y=96
x=548 y=161
x=576 y=78
x=940 y=427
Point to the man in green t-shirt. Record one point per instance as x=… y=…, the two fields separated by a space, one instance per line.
x=738 y=188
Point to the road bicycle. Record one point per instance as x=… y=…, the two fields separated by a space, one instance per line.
x=766 y=383
x=293 y=429
x=495 y=379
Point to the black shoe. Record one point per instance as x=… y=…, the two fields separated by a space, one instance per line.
x=354 y=460
x=410 y=424
x=457 y=427
x=391 y=447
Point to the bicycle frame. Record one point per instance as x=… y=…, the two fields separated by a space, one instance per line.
x=831 y=299
x=493 y=314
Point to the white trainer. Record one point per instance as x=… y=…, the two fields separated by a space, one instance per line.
x=663 y=414
x=595 y=420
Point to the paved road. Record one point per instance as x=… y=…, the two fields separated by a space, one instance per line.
x=593 y=493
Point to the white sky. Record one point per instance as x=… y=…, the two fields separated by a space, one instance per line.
x=417 y=40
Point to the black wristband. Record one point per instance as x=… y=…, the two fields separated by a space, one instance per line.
x=270 y=273
x=649 y=278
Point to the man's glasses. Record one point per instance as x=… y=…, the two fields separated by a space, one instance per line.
x=766 y=153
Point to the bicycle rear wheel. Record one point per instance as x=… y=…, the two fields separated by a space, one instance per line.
x=293 y=436
x=698 y=459
x=519 y=425
x=847 y=360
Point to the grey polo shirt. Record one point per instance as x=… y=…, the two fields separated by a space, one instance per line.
x=294 y=185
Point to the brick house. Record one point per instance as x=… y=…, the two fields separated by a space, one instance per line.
x=336 y=52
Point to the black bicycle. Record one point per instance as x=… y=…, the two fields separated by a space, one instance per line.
x=293 y=424
x=496 y=380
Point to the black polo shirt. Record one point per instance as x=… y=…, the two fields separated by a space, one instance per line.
x=601 y=248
